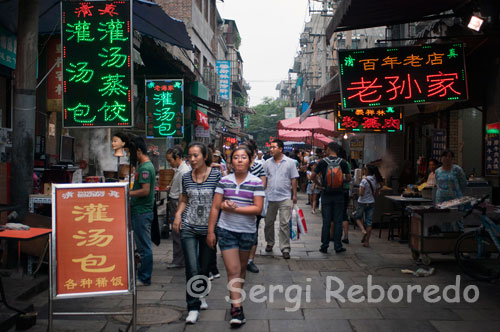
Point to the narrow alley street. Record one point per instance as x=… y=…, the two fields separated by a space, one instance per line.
x=164 y=300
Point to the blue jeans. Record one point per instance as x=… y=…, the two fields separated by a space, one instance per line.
x=142 y=235
x=367 y=210
x=197 y=256
x=332 y=208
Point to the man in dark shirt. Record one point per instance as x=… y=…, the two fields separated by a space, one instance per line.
x=141 y=207
x=332 y=200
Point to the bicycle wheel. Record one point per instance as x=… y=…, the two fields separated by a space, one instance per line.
x=477 y=256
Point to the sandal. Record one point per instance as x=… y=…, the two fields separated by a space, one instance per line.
x=363 y=239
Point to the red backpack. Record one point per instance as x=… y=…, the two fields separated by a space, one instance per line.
x=333 y=179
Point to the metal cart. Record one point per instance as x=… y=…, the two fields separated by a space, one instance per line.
x=433 y=231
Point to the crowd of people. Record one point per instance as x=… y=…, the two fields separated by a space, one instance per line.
x=215 y=202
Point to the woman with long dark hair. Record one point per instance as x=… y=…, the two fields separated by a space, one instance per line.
x=191 y=220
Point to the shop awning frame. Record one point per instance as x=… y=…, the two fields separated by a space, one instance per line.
x=209 y=105
x=149 y=19
x=362 y=14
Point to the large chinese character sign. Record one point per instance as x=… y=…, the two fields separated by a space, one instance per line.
x=387 y=119
x=90 y=233
x=165 y=108
x=403 y=75
x=97 y=65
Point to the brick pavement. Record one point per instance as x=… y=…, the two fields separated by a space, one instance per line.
x=307 y=268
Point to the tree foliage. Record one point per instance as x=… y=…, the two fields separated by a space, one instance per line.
x=262 y=124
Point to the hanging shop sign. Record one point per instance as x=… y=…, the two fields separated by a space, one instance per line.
x=227 y=141
x=90 y=240
x=55 y=78
x=97 y=67
x=165 y=108
x=223 y=68
x=202 y=120
x=492 y=146
x=389 y=119
x=381 y=77
x=8 y=48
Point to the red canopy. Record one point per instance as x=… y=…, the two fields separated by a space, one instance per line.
x=315 y=124
x=303 y=136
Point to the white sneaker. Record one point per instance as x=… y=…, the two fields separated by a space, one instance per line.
x=204 y=304
x=192 y=316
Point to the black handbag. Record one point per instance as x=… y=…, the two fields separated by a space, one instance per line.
x=155 y=227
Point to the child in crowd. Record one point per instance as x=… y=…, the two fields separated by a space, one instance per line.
x=240 y=196
x=368 y=190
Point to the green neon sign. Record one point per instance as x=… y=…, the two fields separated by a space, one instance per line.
x=164 y=108
x=97 y=66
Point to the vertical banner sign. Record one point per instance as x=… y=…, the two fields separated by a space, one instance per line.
x=223 y=68
x=402 y=75
x=8 y=48
x=492 y=153
x=97 y=67
x=90 y=235
x=165 y=108
x=55 y=78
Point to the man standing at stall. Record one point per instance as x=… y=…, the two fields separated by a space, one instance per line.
x=281 y=175
x=141 y=207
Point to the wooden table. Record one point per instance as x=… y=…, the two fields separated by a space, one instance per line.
x=404 y=202
x=18 y=235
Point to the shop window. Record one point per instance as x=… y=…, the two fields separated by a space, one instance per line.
x=205 y=10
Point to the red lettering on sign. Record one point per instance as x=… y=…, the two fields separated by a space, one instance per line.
x=365 y=90
x=440 y=83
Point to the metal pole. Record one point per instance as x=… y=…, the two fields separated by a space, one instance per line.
x=23 y=129
x=51 y=308
x=134 y=288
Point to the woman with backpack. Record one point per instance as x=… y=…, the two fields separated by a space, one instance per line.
x=368 y=190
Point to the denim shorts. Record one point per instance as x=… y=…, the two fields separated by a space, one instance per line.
x=234 y=240
x=367 y=209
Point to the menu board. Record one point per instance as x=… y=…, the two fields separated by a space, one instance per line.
x=492 y=154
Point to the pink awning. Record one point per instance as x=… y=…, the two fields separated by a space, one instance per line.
x=303 y=136
x=315 y=124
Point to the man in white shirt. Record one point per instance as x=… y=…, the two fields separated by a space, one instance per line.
x=174 y=159
x=281 y=175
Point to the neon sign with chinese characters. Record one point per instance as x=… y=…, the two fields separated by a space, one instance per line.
x=165 y=108
x=381 y=77
x=388 y=119
x=97 y=65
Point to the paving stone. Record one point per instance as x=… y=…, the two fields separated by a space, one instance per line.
x=315 y=325
x=419 y=313
x=313 y=304
x=212 y=315
x=270 y=314
x=342 y=313
x=470 y=326
x=150 y=295
x=69 y=325
x=379 y=325
x=478 y=314
x=223 y=326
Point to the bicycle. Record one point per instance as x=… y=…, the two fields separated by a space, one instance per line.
x=478 y=252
